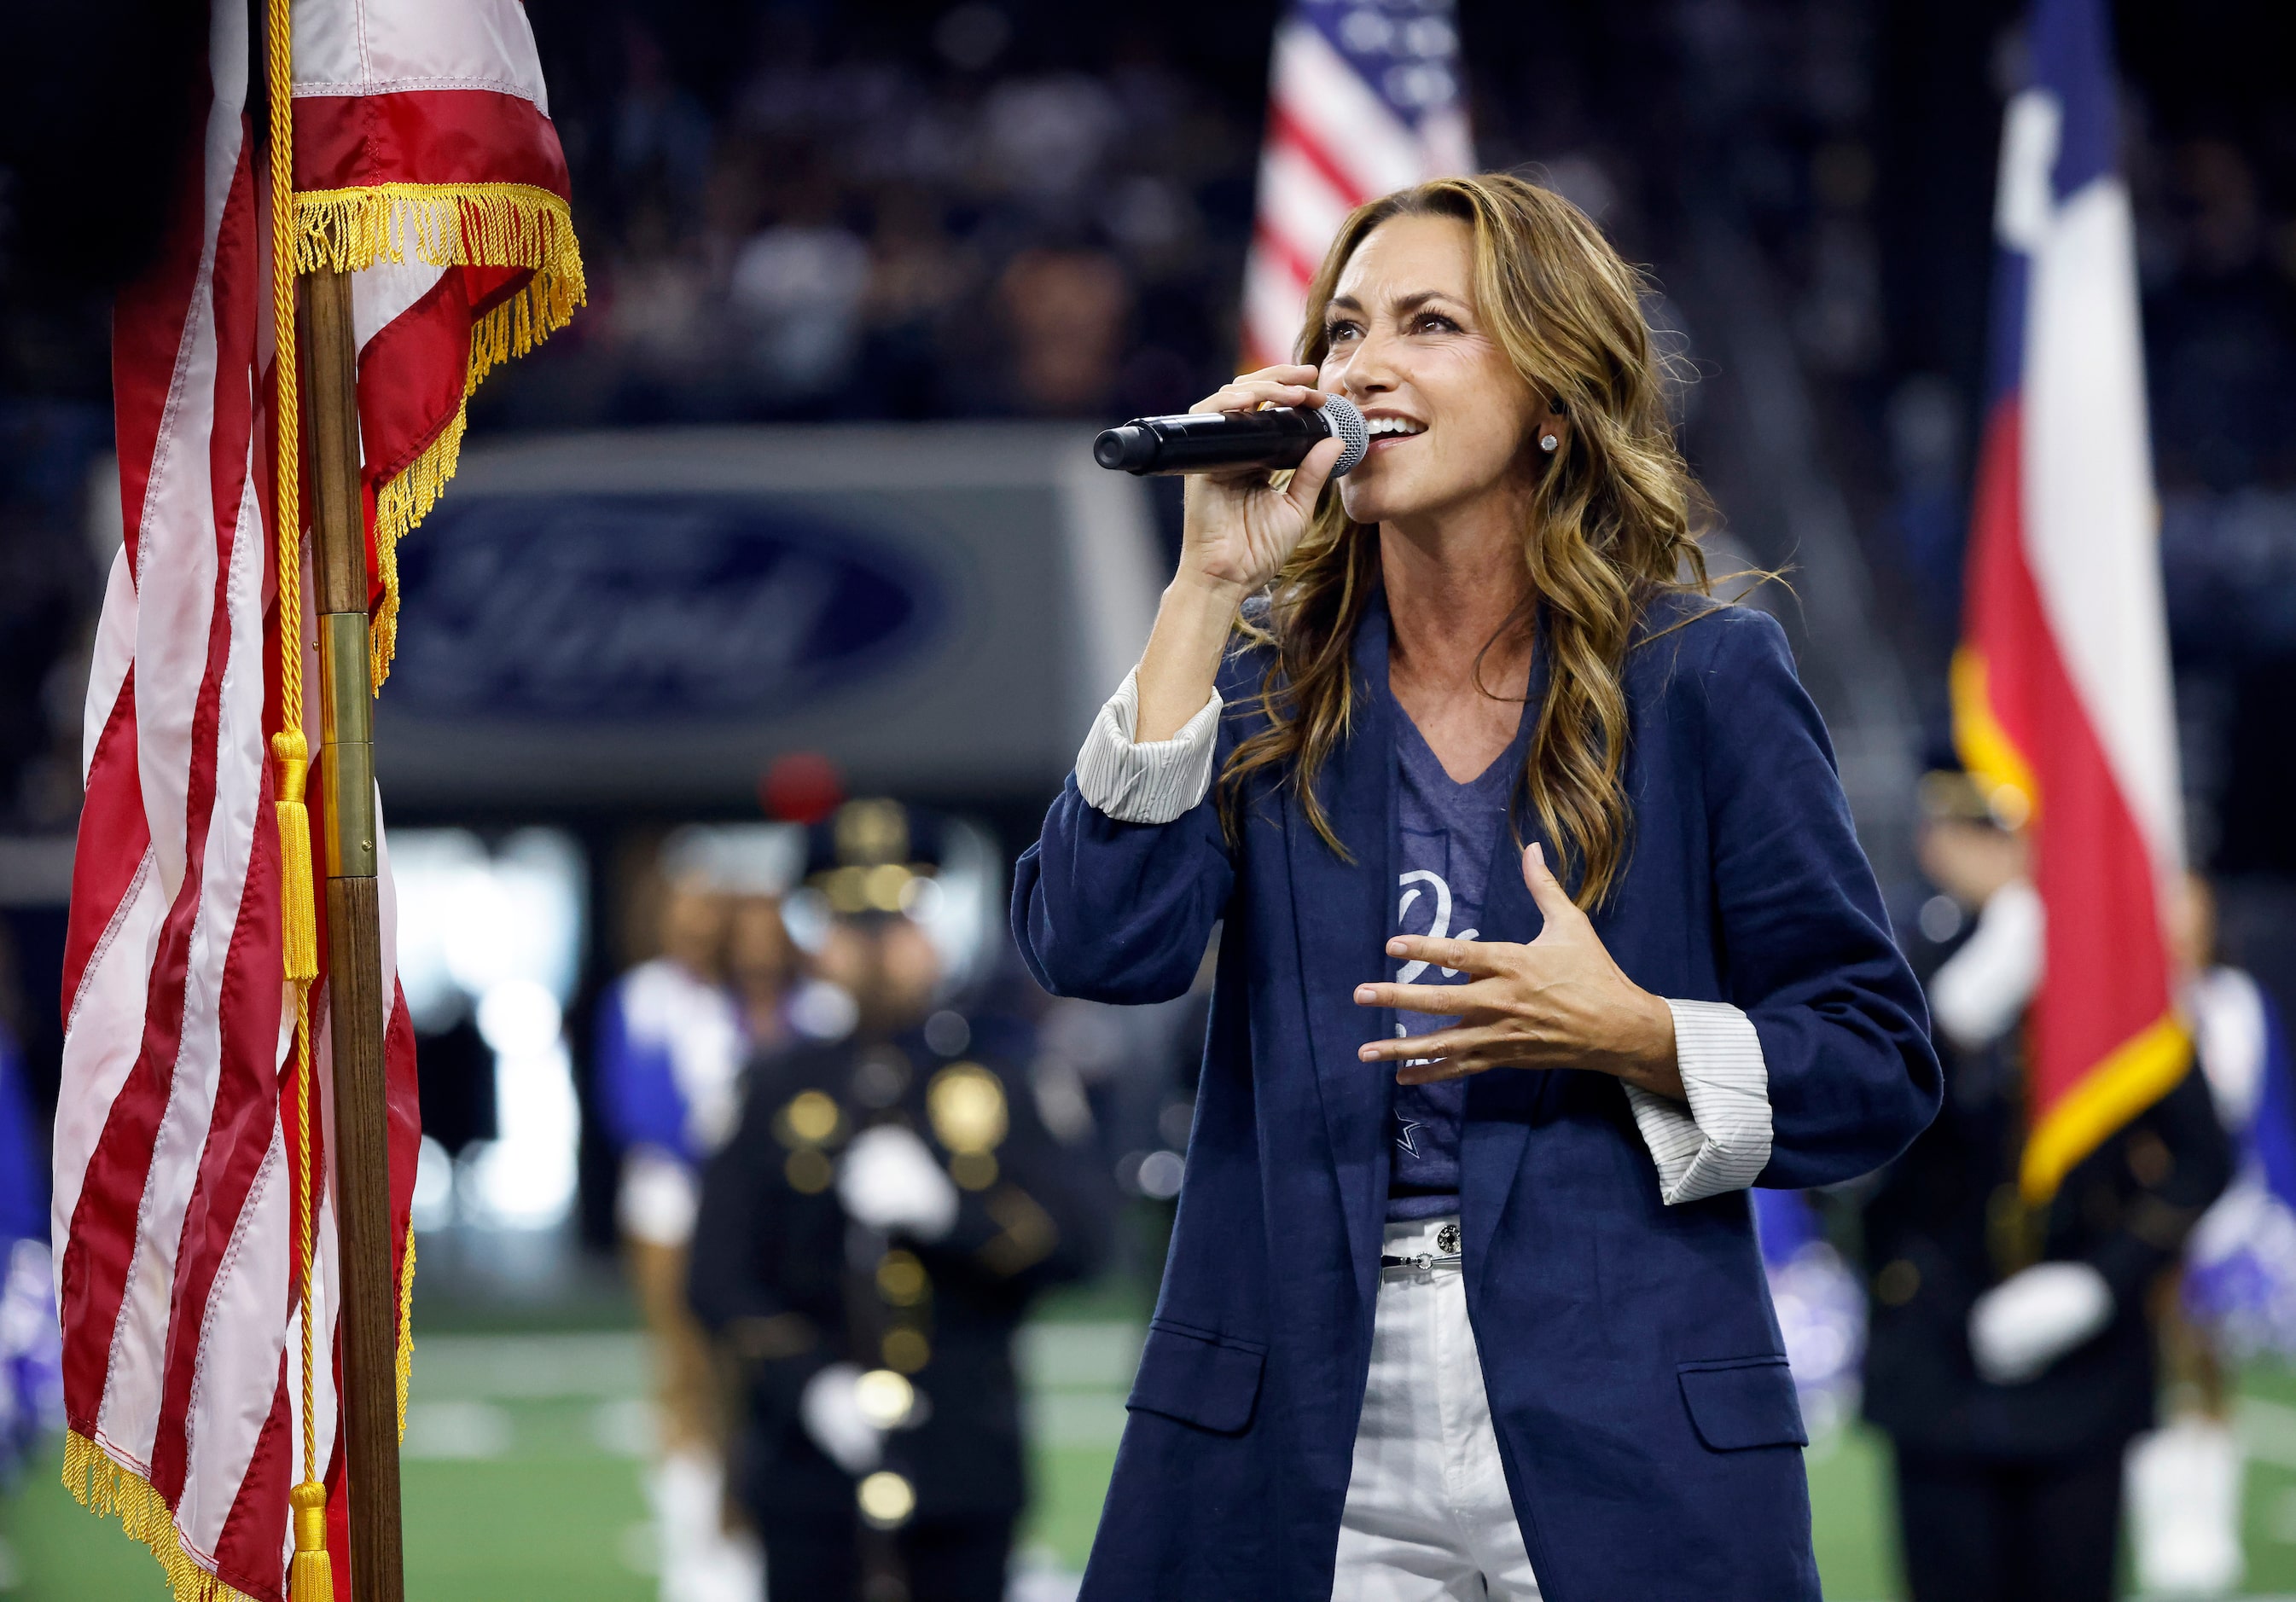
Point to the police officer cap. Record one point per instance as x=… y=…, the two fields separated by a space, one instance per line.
x=870 y=856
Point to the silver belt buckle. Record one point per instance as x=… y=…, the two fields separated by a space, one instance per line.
x=1446 y=1254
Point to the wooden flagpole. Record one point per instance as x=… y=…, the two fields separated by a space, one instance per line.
x=356 y=1013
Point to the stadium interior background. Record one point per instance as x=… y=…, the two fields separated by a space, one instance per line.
x=1037 y=212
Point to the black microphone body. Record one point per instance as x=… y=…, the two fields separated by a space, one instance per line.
x=1200 y=441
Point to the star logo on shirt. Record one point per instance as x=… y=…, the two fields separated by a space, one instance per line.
x=1403 y=1138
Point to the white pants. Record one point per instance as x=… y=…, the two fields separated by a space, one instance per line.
x=1427 y=1517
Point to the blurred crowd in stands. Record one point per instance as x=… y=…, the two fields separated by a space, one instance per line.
x=820 y=212
x=900 y=209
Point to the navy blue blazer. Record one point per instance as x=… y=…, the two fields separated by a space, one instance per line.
x=1637 y=1381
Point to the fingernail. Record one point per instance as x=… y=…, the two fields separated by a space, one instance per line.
x=1395 y=948
x=1364 y=992
x=1366 y=1054
x=1537 y=853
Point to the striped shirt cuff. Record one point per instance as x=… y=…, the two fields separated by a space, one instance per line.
x=1721 y=1141
x=1151 y=783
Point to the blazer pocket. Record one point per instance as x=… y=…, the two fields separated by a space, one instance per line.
x=1739 y=1402
x=1208 y=1380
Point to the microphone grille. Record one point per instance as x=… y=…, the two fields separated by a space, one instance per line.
x=1346 y=426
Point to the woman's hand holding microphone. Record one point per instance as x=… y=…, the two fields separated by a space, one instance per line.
x=1238 y=532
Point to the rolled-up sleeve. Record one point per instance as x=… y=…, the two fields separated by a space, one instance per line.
x=1153 y=782
x=1117 y=897
x=1847 y=1072
x=1720 y=1141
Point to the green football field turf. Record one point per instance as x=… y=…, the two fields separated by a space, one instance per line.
x=524 y=1454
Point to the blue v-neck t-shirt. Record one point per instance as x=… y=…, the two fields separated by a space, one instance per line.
x=1449 y=835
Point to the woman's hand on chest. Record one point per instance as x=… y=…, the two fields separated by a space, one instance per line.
x=1559 y=1002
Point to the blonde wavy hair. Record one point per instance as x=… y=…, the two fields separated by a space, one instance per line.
x=1612 y=522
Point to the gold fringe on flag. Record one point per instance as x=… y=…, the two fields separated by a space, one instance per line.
x=109 y=1490
x=445 y=226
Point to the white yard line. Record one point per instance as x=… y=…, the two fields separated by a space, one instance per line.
x=606 y=1366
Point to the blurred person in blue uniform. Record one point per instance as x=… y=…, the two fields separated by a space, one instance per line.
x=2237 y=1298
x=2011 y=1353
x=31 y=1353
x=669 y=1049
x=671 y=1039
x=870 y=1240
x=1820 y=1302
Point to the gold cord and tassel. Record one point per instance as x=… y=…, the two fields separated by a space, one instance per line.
x=310 y=1574
x=298 y=903
x=290 y=750
x=311 y=1577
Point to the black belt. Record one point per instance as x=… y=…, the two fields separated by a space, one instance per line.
x=1423 y=1261
x=1444 y=1256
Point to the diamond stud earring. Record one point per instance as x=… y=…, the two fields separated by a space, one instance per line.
x=1547 y=442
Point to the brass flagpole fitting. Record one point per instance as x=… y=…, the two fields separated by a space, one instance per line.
x=347 y=744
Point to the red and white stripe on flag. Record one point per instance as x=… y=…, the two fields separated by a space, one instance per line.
x=1363 y=100
x=2061 y=690
x=174 y=1195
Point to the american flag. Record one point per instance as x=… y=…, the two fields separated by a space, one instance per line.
x=2062 y=697
x=175 y=1154
x=1363 y=99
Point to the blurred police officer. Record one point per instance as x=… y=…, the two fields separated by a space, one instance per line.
x=2011 y=1356
x=868 y=1243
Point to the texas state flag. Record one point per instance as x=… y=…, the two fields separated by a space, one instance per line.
x=2062 y=700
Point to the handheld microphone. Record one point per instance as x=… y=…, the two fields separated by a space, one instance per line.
x=1197 y=442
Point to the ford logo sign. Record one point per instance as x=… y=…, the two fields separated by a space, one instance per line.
x=630 y=607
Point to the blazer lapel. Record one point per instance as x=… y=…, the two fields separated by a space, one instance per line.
x=1341 y=911
x=1501 y=1103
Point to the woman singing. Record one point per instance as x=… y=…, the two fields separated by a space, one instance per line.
x=1545 y=934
